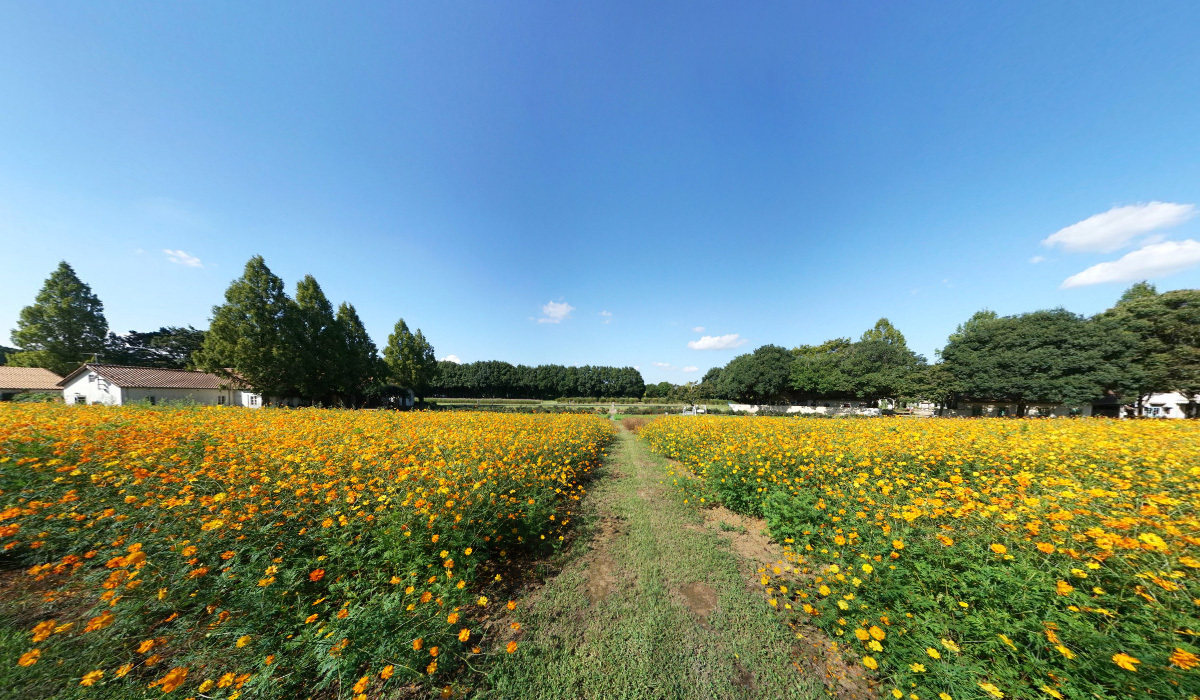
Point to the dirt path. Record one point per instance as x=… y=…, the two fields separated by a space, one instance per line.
x=657 y=607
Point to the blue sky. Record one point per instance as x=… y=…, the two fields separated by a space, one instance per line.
x=503 y=174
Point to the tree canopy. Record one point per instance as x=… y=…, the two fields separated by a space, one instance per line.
x=1165 y=331
x=1051 y=356
x=63 y=327
x=169 y=347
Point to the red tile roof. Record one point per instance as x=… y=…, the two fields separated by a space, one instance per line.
x=154 y=378
x=28 y=379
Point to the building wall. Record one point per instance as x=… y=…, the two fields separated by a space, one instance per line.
x=96 y=390
x=1171 y=405
x=93 y=389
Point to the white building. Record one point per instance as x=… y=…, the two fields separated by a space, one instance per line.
x=1169 y=405
x=114 y=385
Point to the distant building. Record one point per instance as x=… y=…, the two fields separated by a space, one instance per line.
x=114 y=385
x=19 y=380
x=1169 y=405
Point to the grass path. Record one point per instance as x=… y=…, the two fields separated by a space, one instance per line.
x=658 y=607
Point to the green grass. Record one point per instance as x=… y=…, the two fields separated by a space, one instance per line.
x=617 y=621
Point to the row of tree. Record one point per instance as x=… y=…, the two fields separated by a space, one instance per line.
x=280 y=346
x=1147 y=343
x=496 y=379
x=300 y=347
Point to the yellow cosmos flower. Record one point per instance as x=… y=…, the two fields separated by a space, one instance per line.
x=1125 y=661
x=870 y=662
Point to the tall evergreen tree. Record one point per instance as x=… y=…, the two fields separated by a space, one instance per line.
x=63 y=326
x=410 y=360
x=359 y=364
x=249 y=333
x=317 y=343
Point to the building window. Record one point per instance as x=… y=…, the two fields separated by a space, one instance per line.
x=253 y=399
x=80 y=399
x=220 y=400
x=153 y=401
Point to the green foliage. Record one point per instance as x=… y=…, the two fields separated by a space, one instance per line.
x=249 y=333
x=1165 y=329
x=62 y=328
x=1045 y=356
x=758 y=377
x=359 y=365
x=169 y=347
x=410 y=360
x=497 y=379
x=317 y=343
x=879 y=365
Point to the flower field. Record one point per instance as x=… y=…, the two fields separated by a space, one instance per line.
x=222 y=553
x=974 y=559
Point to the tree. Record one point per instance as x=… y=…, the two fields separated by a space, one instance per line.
x=1040 y=357
x=5 y=351
x=169 y=347
x=359 y=366
x=316 y=343
x=883 y=331
x=818 y=371
x=411 y=362
x=758 y=377
x=1166 y=340
x=249 y=337
x=63 y=326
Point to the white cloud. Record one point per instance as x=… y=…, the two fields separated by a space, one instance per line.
x=698 y=329
x=691 y=368
x=1156 y=260
x=663 y=365
x=452 y=358
x=181 y=258
x=1037 y=259
x=638 y=367
x=556 y=312
x=1115 y=228
x=717 y=342
x=607 y=316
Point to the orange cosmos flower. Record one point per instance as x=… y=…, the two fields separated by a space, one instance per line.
x=91 y=677
x=387 y=672
x=316 y=575
x=1184 y=659
x=464 y=634
x=512 y=646
x=29 y=658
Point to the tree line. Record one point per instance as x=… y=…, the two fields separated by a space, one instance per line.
x=286 y=347
x=1147 y=343
x=495 y=379
x=280 y=346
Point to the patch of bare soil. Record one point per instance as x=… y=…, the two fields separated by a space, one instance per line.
x=747 y=536
x=601 y=577
x=701 y=599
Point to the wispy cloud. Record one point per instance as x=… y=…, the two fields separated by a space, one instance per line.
x=181 y=258
x=556 y=312
x=663 y=365
x=691 y=368
x=698 y=329
x=1152 y=261
x=1115 y=228
x=607 y=316
x=717 y=342
x=452 y=358
x=1037 y=259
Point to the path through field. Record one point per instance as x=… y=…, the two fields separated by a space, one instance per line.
x=659 y=607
